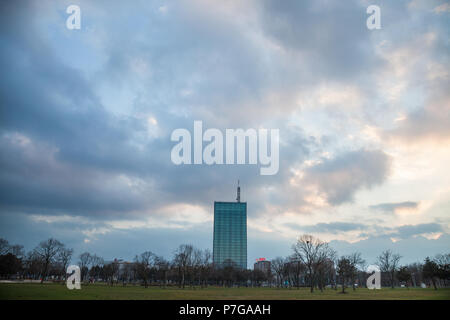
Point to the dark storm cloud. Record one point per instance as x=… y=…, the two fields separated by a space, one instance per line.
x=330 y=36
x=74 y=110
x=60 y=149
x=339 y=178
x=219 y=67
x=80 y=158
x=32 y=179
x=390 y=207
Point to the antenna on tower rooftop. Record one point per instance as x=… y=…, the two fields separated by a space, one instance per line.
x=238 y=193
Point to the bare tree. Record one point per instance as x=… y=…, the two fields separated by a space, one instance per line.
x=205 y=266
x=404 y=275
x=277 y=266
x=442 y=259
x=356 y=261
x=163 y=267
x=111 y=271
x=17 y=250
x=64 y=257
x=196 y=265
x=312 y=252
x=96 y=260
x=143 y=264
x=4 y=246
x=183 y=259
x=47 y=251
x=85 y=260
x=326 y=271
x=430 y=271
x=416 y=273
x=126 y=273
x=345 y=270
x=294 y=269
x=443 y=263
x=388 y=263
x=96 y=264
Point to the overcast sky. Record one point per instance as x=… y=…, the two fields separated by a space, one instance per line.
x=364 y=118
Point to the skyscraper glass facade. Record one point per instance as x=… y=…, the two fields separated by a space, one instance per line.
x=230 y=234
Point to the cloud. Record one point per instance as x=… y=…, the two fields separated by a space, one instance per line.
x=411 y=249
x=430 y=124
x=329 y=39
x=86 y=115
x=392 y=207
x=86 y=158
x=413 y=230
x=338 y=179
x=445 y=7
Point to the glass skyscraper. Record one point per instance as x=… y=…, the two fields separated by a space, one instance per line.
x=230 y=234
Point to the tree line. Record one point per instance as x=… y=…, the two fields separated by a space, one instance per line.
x=313 y=263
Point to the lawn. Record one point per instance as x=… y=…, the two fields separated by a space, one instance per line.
x=104 y=292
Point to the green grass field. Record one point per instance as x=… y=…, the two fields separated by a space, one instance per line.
x=104 y=292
